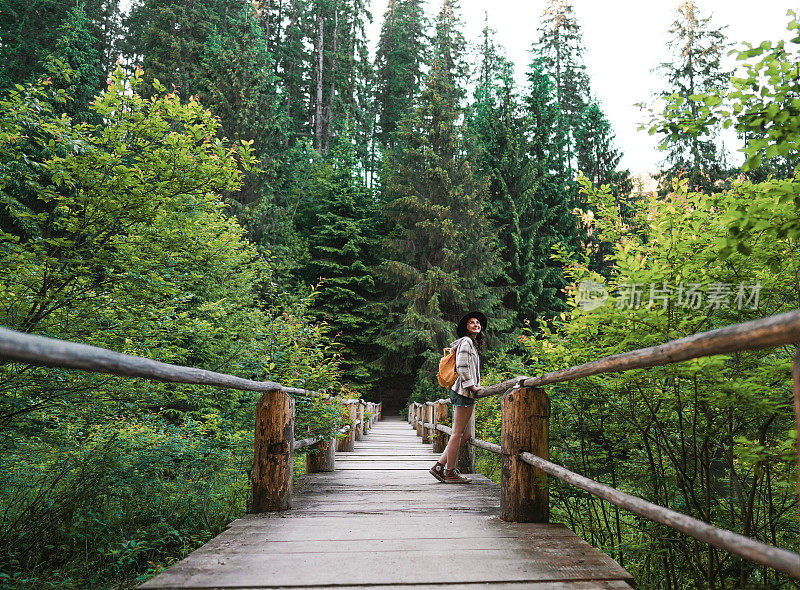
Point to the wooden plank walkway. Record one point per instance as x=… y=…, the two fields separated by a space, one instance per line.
x=382 y=521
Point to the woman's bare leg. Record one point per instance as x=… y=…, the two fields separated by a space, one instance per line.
x=461 y=416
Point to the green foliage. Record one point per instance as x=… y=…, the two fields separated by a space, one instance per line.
x=114 y=234
x=398 y=65
x=341 y=218
x=696 y=68
x=763 y=107
x=706 y=437
x=31 y=31
x=441 y=254
x=75 y=64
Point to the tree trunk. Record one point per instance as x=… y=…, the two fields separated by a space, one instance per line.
x=320 y=62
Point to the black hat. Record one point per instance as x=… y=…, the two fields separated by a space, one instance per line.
x=461 y=330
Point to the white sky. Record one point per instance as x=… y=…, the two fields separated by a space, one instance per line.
x=624 y=40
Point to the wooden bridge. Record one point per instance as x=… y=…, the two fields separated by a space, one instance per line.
x=369 y=515
x=381 y=520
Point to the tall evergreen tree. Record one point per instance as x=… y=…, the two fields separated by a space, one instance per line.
x=442 y=256
x=29 y=30
x=551 y=220
x=340 y=59
x=75 y=64
x=168 y=38
x=399 y=65
x=560 y=50
x=499 y=127
x=343 y=250
x=236 y=79
x=698 y=48
x=598 y=160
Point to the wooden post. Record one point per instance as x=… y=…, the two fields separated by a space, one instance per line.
x=411 y=415
x=418 y=417
x=359 y=420
x=525 y=427
x=273 y=462
x=380 y=410
x=364 y=419
x=347 y=443
x=322 y=456
x=439 y=417
x=466 y=452
x=427 y=416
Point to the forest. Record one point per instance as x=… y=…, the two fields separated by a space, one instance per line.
x=251 y=188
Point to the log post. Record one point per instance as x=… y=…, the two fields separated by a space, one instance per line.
x=322 y=456
x=466 y=452
x=364 y=419
x=273 y=461
x=439 y=417
x=525 y=427
x=427 y=416
x=347 y=443
x=411 y=415
x=380 y=410
x=418 y=418
x=359 y=420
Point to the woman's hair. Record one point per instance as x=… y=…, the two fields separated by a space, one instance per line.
x=478 y=338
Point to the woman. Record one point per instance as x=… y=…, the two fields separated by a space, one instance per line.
x=470 y=333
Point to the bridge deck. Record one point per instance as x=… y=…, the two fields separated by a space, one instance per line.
x=381 y=520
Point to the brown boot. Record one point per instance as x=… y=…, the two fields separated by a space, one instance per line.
x=453 y=476
x=438 y=470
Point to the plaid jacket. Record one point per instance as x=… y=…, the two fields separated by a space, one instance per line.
x=468 y=366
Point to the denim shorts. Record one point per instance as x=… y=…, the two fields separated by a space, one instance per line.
x=461 y=400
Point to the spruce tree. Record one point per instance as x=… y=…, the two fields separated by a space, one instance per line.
x=442 y=254
x=560 y=51
x=236 y=80
x=341 y=215
x=398 y=65
x=75 y=65
x=598 y=160
x=499 y=128
x=168 y=38
x=698 y=48
x=551 y=220
x=30 y=29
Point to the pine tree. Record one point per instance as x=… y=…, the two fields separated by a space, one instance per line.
x=398 y=65
x=598 y=160
x=236 y=79
x=499 y=128
x=560 y=50
x=550 y=220
x=30 y=29
x=442 y=255
x=75 y=64
x=168 y=38
x=698 y=48
x=598 y=157
x=339 y=55
x=342 y=215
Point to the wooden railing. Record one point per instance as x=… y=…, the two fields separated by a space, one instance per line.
x=524 y=440
x=274 y=442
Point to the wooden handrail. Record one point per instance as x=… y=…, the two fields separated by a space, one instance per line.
x=776 y=330
x=51 y=352
x=779 y=559
x=274 y=429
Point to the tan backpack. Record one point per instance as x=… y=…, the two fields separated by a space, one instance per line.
x=447 y=368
